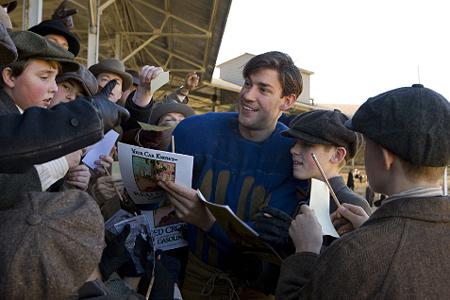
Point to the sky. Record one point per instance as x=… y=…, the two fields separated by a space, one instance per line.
x=356 y=49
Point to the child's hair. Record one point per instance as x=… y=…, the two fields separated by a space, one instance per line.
x=422 y=172
x=19 y=66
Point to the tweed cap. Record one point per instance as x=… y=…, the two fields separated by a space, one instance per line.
x=324 y=127
x=33 y=46
x=57 y=27
x=115 y=66
x=51 y=243
x=166 y=107
x=84 y=77
x=411 y=122
x=8 y=52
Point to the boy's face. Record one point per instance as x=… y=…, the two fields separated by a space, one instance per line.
x=67 y=91
x=104 y=78
x=260 y=101
x=303 y=163
x=36 y=86
x=59 y=40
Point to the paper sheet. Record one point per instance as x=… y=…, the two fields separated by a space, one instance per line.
x=159 y=81
x=102 y=147
x=320 y=202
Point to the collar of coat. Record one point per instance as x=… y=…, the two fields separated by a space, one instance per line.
x=430 y=209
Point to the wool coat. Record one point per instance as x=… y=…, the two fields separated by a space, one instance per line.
x=401 y=252
x=40 y=135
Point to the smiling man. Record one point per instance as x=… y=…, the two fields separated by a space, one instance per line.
x=241 y=160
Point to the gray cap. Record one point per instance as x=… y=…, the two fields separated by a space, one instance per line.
x=8 y=51
x=324 y=127
x=51 y=243
x=115 y=66
x=411 y=122
x=169 y=106
x=33 y=46
x=84 y=77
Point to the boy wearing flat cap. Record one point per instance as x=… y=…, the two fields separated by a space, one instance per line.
x=401 y=251
x=323 y=133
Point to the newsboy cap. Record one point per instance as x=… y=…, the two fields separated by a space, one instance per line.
x=51 y=243
x=84 y=77
x=33 y=46
x=169 y=106
x=57 y=27
x=8 y=52
x=411 y=122
x=115 y=66
x=325 y=127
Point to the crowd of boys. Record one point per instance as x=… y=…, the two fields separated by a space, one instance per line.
x=53 y=207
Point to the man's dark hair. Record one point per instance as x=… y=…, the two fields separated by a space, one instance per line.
x=289 y=75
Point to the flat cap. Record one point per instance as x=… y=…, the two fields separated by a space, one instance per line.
x=411 y=122
x=33 y=46
x=84 y=77
x=8 y=52
x=51 y=243
x=325 y=127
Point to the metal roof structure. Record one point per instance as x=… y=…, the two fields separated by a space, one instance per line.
x=180 y=36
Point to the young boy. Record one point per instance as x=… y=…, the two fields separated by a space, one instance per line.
x=74 y=84
x=401 y=251
x=323 y=133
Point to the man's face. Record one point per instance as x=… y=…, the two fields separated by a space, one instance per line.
x=304 y=166
x=104 y=78
x=36 y=86
x=58 y=40
x=67 y=91
x=260 y=101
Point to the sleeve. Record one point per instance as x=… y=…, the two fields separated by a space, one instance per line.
x=295 y=272
x=50 y=172
x=137 y=113
x=41 y=135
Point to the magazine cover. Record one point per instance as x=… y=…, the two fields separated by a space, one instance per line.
x=168 y=232
x=142 y=168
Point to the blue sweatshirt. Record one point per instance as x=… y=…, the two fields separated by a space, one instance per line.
x=232 y=170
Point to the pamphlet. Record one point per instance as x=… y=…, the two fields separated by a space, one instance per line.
x=241 y=235
x=142 y=168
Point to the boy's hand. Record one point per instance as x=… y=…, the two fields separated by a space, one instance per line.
x=187 y=205
x=103 y=164
x=73 y=159
x=79 y=177
x=348 y=217
x=306 y=231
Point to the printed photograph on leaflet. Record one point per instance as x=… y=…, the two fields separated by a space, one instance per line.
x=167 y=230
x=241 y=235
x=142 y=168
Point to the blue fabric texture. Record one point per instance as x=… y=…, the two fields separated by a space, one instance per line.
x=232 y=170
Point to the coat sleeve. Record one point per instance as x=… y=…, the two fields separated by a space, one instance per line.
x=40 y=135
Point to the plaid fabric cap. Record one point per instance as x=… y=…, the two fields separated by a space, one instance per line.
x=411 y=122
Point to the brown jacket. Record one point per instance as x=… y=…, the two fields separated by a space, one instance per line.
x=401 y=252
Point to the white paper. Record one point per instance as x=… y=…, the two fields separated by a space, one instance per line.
x=320 y=202
x=102 y=147
x=142 y=168
x=159 y=81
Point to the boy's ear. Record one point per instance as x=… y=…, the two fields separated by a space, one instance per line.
x=388 y=158
x=7 y=77
x=288 y=102
x=339 y=155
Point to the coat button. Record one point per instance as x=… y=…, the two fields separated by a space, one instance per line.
x=34 y=219
x=74 y=122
